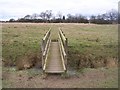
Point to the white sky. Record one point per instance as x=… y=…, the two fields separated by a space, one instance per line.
x=19 y=8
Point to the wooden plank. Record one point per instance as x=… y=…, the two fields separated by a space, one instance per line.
x=53 y=71
x=54 y=64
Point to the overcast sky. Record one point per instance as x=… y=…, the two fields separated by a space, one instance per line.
x=19 y=8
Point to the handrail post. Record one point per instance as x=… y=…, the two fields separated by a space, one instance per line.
x=66 y=61
x=66 y=46
x=43 y=62
x=42 y=49
x=66 y=50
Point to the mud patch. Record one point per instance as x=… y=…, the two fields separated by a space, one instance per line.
x=78 y=60
x=7 y=63
x=28 y=61
x=111 y=62
x=54 y=40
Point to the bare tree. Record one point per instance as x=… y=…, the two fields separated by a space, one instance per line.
x=69 y=16
x=11 y=20
x=59 y=14
x=27 y=17
x=48 y=14
x=43 y=15
x=112 y=16
x=92 y=19
x=34 y=16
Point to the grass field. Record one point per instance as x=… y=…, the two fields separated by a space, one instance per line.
x=89 y=46
x=86 y=42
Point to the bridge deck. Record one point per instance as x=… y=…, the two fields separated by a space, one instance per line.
x=54 y=62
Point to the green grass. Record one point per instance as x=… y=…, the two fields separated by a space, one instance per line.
x=88 y=40
x=94 y=38
x=87 y=44
x=93 y=42
x=19 y=39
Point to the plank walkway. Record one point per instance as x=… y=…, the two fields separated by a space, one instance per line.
x=54 y=62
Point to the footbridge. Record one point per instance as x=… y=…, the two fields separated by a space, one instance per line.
x=54 y=53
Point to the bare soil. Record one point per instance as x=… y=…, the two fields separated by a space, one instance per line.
x=28 y=61
x=87 y=78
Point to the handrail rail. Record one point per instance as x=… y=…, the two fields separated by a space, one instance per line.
x=45 y=48
x=62 y=47
x=46 y=34
x=63 y=42
x=63 y=37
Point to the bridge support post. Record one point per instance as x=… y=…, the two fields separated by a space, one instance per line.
x=66 y=49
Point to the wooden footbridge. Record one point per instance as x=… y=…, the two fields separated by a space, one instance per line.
x=54 y=54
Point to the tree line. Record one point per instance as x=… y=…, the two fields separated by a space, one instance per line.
x=110 y=17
